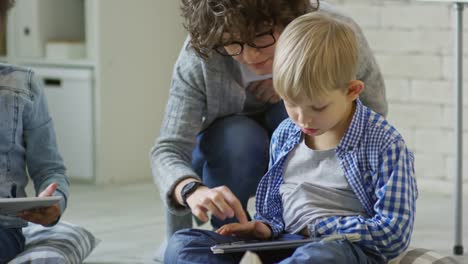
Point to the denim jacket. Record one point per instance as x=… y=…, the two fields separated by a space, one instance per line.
x=27 y=140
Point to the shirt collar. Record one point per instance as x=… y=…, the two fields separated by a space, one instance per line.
x=350 y=140
x=352 y=137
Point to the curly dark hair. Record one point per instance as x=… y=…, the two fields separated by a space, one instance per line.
x=207 y=20
x=4 y=6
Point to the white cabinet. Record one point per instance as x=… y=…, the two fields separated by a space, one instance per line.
x=69 y=96
x=38 y=22
x=108 y=106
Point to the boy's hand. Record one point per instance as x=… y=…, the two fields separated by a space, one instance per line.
x=220 y=201
x=249 y=230
x=264 y=91
x=46 y=215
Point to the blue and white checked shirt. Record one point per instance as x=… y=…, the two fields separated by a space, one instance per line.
x=380 y=170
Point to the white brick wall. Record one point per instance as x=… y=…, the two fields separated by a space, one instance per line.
x=413 y=44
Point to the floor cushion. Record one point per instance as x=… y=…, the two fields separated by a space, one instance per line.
x=62 y=243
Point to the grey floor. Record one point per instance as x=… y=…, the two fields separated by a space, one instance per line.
x=129 y=221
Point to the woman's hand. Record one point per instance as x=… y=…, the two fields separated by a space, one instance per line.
x=249 y=230
x=46 y=215
x=220 y=201
x=263 y=91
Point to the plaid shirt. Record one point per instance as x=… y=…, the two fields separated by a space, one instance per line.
x=379 y=169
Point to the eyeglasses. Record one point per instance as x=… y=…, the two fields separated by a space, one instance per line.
x=261 y=41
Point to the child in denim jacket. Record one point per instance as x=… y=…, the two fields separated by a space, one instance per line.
x=27 y=147
x=336 y=166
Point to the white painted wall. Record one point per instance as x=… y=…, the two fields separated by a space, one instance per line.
x=138 y=43
x=413 y=43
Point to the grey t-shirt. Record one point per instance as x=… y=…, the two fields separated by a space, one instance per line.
x=315 y=186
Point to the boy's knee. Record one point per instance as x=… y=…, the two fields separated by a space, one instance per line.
x=341 y=251
x=175 y=245
x=181 y=241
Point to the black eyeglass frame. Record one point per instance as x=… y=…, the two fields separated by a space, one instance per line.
x=222 y=51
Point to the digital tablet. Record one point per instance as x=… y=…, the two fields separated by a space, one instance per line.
x=13 y=206
x=256 y=245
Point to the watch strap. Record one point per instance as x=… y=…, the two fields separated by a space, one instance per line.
x=188 y=189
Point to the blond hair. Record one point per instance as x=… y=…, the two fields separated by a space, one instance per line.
x=315 y=54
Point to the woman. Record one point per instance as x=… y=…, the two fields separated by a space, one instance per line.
x=213 y=147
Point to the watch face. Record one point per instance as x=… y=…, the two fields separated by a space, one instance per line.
x=188 y=189
x=191 y=184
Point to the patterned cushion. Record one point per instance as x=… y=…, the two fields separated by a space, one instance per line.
x=62 y=243
x=422 y=256
x=411 y=256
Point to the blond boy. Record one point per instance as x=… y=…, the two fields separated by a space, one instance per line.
x=336 y=167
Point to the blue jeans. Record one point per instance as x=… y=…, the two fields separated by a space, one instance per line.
x=233 y=151
x=11 y=243
x=193 y=246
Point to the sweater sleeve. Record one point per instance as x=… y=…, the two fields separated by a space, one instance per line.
x=183 y=119
x=373 y=95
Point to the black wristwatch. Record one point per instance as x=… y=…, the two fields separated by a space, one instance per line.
x=188 y=189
